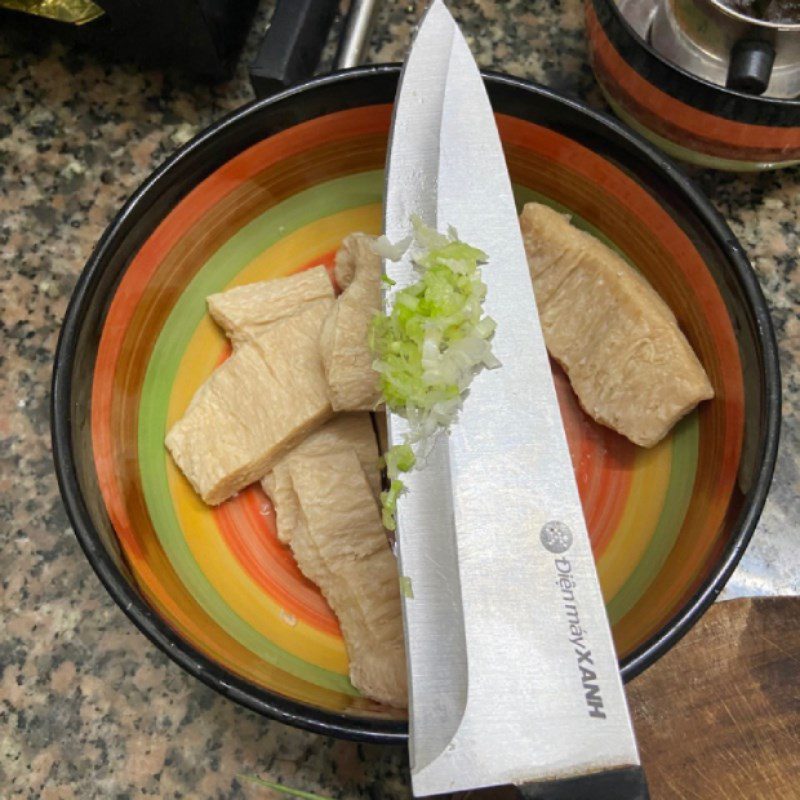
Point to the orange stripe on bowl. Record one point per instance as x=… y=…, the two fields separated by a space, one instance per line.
x=247 y=523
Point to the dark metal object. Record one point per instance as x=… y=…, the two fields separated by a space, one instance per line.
x=360 y=18
x=293 y=44
x=750 y=66
x=721 y=44
x=629 y=26
x=291 y=48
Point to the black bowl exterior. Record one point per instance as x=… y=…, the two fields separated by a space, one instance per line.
x=78 y=342
x=687 y=116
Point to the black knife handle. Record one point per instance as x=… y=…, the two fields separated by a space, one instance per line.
x=627 y=783
x=292 y=46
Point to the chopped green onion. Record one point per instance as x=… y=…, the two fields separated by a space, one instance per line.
x=399 y=458
x=279 y=787
x=430 y=346
x=406 y=589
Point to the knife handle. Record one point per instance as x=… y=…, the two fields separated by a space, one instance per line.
x=292 y=46
x=627 y=783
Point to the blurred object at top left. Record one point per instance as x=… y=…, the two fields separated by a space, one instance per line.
x=202 y=37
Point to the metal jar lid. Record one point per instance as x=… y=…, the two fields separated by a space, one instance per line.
x=720 y=44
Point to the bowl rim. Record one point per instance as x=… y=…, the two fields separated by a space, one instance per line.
x=271 y=704
x=786 y=103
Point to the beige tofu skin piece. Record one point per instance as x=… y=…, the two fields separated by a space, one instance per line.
x=340 y=545
x=245 y=312
x=263 y=400
x=343 y=433
x=344 y=341
x=629 y=364
x=354 y=253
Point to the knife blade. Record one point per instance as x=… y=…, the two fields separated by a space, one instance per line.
x=513 y=678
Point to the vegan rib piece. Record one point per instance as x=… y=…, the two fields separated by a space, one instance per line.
x=246 y=311
x=267 y=397
x=340 y=544
x=343 y=433
x=344 y=341
x=629 y=364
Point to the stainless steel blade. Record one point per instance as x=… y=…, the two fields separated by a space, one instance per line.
x=513 y=675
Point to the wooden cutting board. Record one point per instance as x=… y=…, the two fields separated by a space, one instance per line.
x=718 y=717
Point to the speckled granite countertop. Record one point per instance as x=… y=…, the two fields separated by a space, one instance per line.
x=88 y=708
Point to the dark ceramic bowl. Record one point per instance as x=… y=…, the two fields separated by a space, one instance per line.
x=273 y=188
x=688 y=117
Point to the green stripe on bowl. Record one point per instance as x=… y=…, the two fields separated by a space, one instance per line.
x=696 y=157
x=683 y=469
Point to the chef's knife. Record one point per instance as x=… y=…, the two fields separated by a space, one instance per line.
x=513 y=674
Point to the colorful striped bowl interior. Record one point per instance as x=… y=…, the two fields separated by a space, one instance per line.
x=218 y=576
